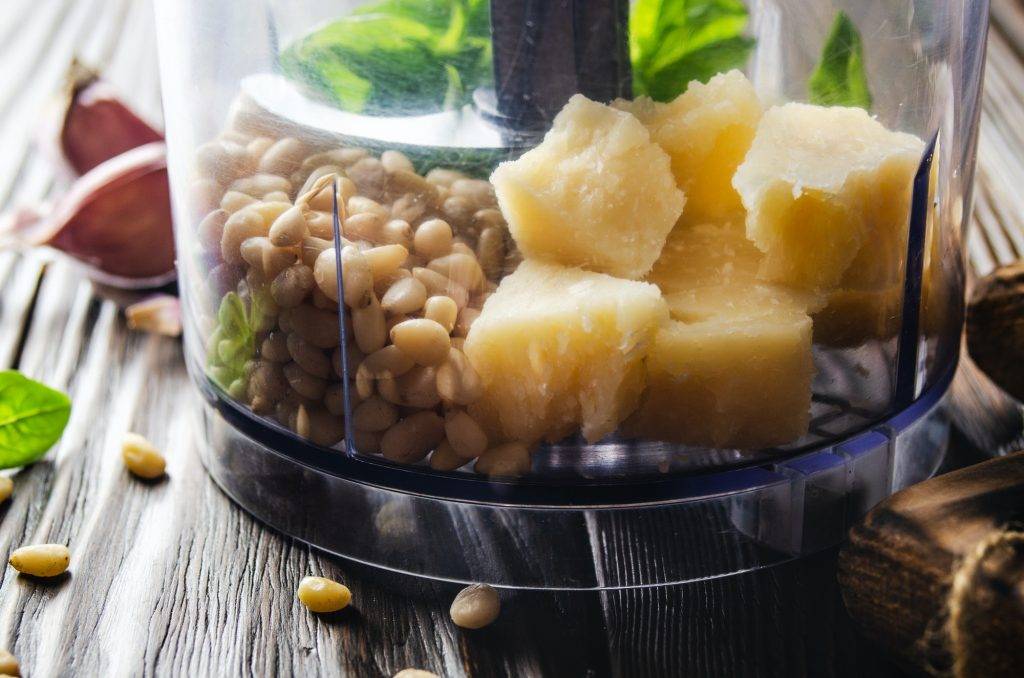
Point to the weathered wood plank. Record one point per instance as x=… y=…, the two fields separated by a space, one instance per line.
x=171 y=578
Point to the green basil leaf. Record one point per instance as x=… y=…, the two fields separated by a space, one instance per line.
x=840 y=79
x=673 y=42
x=233 y=340
x=32 y=418
x=396 y=56
x=700 y=64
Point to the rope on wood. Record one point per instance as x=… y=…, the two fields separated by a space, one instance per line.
x=967 y=611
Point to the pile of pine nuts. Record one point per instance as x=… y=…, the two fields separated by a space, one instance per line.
x=420 y=255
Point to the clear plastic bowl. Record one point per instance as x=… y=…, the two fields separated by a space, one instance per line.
x=745 y=362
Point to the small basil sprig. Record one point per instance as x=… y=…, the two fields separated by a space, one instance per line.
x=673 y=42
x=233 y=342
x=32 y=418
x=840 y=79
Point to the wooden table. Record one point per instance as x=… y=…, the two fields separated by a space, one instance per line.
x=173 y=579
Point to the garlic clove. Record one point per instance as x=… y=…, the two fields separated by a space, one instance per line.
x=116 y=219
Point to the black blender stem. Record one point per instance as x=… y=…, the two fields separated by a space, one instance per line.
x=547 y=50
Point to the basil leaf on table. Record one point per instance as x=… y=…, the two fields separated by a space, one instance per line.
x=673 y=42
x=32 y=418
x=840 y=79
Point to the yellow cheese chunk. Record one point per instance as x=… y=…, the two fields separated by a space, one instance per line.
x=595 y=193
x=560 y=349
x=823 y=187
x=706 y=131
x=736 y=370
x=730 y=383
x=711 y=270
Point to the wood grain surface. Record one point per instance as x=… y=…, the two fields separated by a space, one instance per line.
x=170 y=578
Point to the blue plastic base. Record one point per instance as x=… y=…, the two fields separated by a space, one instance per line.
x=719 y=523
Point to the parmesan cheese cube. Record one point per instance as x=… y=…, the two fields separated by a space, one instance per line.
x=821 y=184
x=596 y=193
x=707 y=131
x=560 y=349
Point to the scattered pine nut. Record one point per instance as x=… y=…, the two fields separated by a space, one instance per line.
x=6 y=487
x=141 y=457
x=320 y=594
x=41 y=560
x=475 y=607
x=415 y=673
x=9 y=664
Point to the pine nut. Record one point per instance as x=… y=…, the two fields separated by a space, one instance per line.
x=406 y=295
x=325 y=273
x=334 y=399
x=402 y=182
x=364 y=226
x=479 y=191
x=315 y=175
x=467 y=317
x=445 y=459
x=323 y=427
x=397 y=232
x=387 y=362
x=211 y=230
x=304 y=383
x=487 y=218
x=292 y=285
x=6 y=488
x=257 y=147
x=438 y=284
x=9 y=664
x=416 y=388
x=268 y=381
x=233 y=201
x=41 y=560
x=223 y=159
x=475 y=607
x=366 y=442
x=457 y=381
x=317 y=326
x=374 y=414
x=320 y=225
x=394 y=161
x=369 y=176
x=141 y=457
x=310 y=358
x=359 y=204
x=283 y=157
x=459 y=246
x=510 y=459
x=423 y=340
x=415 y=673
x=490 y=251
x=323 y=595
x=368 y=326
x=458 y=210
x=290 y=228
x=442 y=310
x=385 y=260
x=311 y=249
x=277 y=196
x=412 y=438
x=238 y=228
x=275 y=347
x=266 y=259
x=356 y=278
x=444 y=177
x=258 y=185
x=433 y=238
x=466 y=437
x=462 y=269
x=408 y=207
